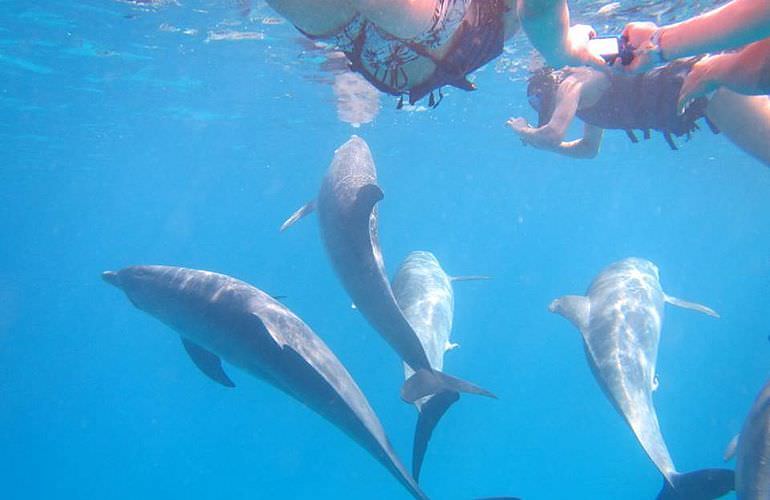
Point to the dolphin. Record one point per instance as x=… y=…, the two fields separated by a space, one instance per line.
x=346 y=205
x=620 y=319
x=424 y=293
x=751 y=449
x=219 y=317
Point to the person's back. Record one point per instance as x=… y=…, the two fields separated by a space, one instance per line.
x=647 y=101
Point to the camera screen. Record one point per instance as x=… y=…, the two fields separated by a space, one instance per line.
x=605 y=47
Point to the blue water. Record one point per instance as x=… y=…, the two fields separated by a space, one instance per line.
x=125 y=140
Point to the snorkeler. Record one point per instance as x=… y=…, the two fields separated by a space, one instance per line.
x=639 y=102
x=414 y=47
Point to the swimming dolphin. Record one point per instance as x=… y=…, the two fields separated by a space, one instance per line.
x=219 y=317
x=424 y=293
x=620 y=319
x=348 y=216
x=751 y=449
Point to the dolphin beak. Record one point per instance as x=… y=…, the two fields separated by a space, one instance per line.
x=553 y=305
x=111 y=277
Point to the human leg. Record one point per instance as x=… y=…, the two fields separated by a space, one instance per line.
x=745 y=120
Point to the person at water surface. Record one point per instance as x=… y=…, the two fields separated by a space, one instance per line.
x=730 y=26
x=646 y=102
x=414 y=47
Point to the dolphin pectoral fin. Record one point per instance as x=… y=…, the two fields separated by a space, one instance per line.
x=426 y=382
x=449 y=346
x=474 y=277
x=704 y=484
x=576 y=308
x=306 y=209
x=691 y=305
x=430 y=413
x=731 y=447
x=208 y=363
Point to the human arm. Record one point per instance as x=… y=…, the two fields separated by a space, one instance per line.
x=547 y=25
x=733 y=25
x=550 y=135
x=583 y=88
x=586 y=147
x=745 y=72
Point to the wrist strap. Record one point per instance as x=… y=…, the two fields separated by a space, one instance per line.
x=655 y=46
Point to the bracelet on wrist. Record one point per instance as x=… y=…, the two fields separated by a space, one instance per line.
x=655 y=50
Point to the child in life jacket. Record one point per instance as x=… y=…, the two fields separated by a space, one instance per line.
x=644 y=102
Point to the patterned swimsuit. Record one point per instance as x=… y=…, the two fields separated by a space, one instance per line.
x=381 y=57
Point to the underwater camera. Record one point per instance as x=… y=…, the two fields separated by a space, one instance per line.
x=610 y=48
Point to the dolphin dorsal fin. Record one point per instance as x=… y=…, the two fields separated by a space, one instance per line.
x=260 y=325
x=304 y=210
x=731 y=447
x=576 y=308
x=366 y=198
x=691 y=305
x=207 y=362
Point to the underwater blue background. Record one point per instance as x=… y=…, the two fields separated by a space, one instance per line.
x=125 y=142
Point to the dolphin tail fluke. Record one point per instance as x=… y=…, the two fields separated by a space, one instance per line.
x=430 y=413
x=428 y=382
x=704 y=484
x=691 y=305
x=306 y=209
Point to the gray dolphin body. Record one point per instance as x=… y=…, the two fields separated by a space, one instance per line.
x=752 y=451
x=424 y=293
x=620 y=319
x=219 y=317
x=347 y=211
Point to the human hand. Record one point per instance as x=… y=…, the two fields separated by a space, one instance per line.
x=520 y=126
x=705 y=76
x=577 y=47
x=541 y=138
x=638 y=37
x=517 y=124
